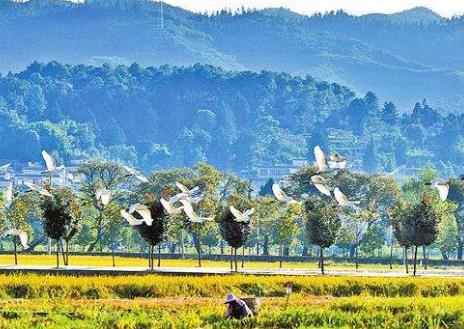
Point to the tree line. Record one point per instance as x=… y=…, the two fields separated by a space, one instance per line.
x=409 y=216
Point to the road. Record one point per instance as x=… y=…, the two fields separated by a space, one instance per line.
x=122 y=270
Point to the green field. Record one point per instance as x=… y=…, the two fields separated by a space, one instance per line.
x=34 y=301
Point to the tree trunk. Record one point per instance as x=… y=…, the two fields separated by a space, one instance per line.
x=231 y=258
x=352 y=250
x=243 y=256
x=67 y=253
x=57 y=253
x=406 y=259
x=172 y=248
x=235 y=259
x=286 y=251
x=281 y=254
x=460 y=248
x=356 y=258
x=391 y=256
x=304 y=253
x=222 y=247
x=15 y=250
x=266 y=245
x=112 y=255
x=445 y=258
x=257 y=248
x=196 y=240
x=159 y=255
x=149 y=256
x=415 y=261
x=182 y=244
x=321 y=261
x=424 y=254
x=63 y=253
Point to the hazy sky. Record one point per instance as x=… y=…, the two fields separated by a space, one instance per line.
x=443 y=7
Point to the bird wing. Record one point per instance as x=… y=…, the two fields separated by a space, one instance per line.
x=130 y=170
x=170 y=209
x=49 y=161
x=443 y=190
x=8 y=197
x=130 y=219
x=237 y=213
x=32 y=186
x=133 y=208
x=188 y=210
x=278 y=193
x=323 y=189
x=141 y=177
x=340 y=197
x=44 y=192
x=182 y=187
x=146 y=215
x=321 y=161
x=194 y=190
x=105 y=198
x=317 y=179
x=23 y=239
x=5 y=167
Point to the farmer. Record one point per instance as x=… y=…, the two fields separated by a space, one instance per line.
x=237 y=308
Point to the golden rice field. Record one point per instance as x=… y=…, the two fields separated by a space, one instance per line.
x=151 y=301
x=87 y=260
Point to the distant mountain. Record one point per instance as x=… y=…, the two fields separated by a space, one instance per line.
x=402 y=57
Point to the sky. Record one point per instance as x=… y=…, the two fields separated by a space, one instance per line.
x=447 y=8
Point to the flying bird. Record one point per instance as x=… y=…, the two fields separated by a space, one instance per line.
x=443 y=189
x=170 y=209
x=50 y=162
x=23 y=238
x=137 y=174
x=104 y=196
x=280 y=194
x=241 y=217
x=342 y=199
x=321 y=160
x=143 y=211
x=35 y=188
x=131 y=219
x=337 y=162
x=321 y=185
x=192 y=196
x=192 y=216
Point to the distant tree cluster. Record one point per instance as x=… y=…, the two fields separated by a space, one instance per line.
x=170 y=116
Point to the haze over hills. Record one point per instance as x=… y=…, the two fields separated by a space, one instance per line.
x=402 y=57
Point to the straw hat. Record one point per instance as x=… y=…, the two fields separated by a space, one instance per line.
x=230 y=298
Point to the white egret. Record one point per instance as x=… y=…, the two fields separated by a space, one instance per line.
x=143 y=211
x=320 y=184
x=35 y=188
x=241 y=217
x=280 y=194
x=131 y=219
x=443 y=189
x=23 y=237
x=137 y=174
x=50 y=162
x=192 y=216
x=321 y=160
x=170 y=209
x=104 y=196
x=337 y=162
x=342 y=199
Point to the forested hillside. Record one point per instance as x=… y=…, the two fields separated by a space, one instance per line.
x=402 y=57
x=176 y=116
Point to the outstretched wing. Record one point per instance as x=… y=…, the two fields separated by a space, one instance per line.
x=237 y=213
x=443 y=190
x=49 y=161
x=278 y=193
x=182 y=187
x=321 y=160
x=323 y=189
x=340 y=197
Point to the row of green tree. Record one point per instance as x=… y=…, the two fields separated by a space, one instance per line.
x=410 y=215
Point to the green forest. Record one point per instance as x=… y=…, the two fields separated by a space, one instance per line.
x=160 y=117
